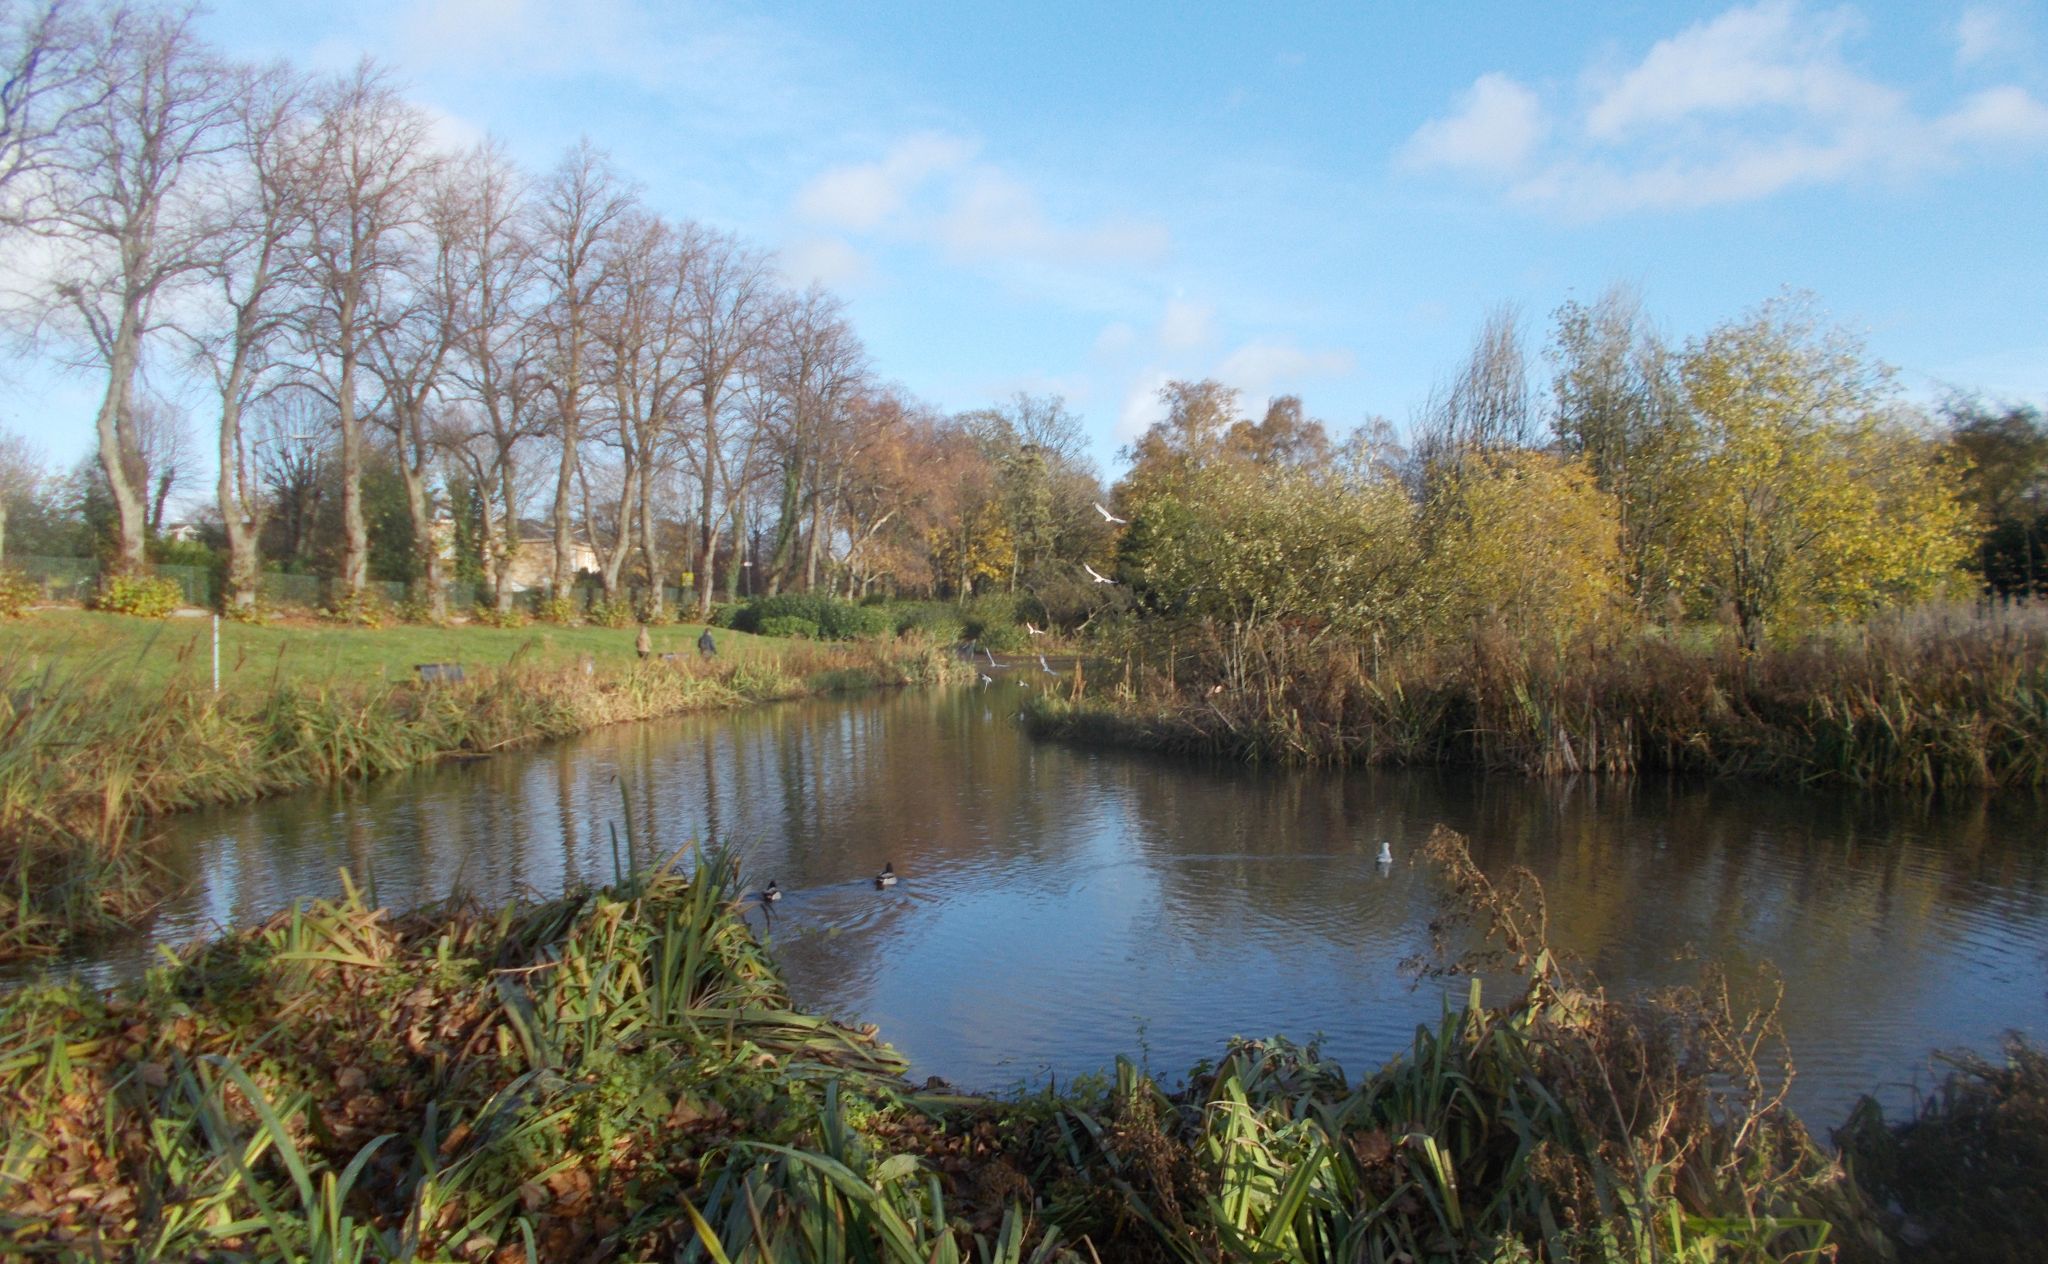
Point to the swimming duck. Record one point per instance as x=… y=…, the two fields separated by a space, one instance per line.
x=771 y=892
x=1386 y=856
x=886 y=878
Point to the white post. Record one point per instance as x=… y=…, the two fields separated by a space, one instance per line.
x=216 y=653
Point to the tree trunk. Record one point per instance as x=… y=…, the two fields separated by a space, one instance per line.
x=501 y=583
x=427 y=590
x=118 y=455
x=783 y=555
x=707 y=541
x=650 y=556
x=355 y=546
x=739 y=543
x=237 y=515
x=561 y=576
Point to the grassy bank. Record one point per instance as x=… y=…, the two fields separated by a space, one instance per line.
x=91 y=751
x=620 y=1074
x=1930 y=704
x=151 y=653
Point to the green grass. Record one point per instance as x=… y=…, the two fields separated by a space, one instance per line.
x=151 y=653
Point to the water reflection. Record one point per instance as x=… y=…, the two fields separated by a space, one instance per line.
x=1061 y=906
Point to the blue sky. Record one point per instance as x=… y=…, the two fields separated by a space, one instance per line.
x=1322 y=199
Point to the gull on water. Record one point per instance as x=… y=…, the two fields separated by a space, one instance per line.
x=771 y=892
x=1386 y=856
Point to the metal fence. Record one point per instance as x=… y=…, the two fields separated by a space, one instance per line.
x=75 y=578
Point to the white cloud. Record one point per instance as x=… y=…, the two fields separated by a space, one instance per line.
x=862 y=196
x=829 y=261
x=1497 y=124
x=929 y=188
x=1988 y=33
x=1997 y=116
x=1141 y=406
x=1761 y=99
x=1768 y=56
x=1186 y=325
x=1264 y=363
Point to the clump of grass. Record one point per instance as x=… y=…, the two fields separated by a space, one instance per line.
x=1927 y=705
x=1965 y=1175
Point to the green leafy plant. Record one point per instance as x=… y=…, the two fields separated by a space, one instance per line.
x=145 y=597
x=555 y=609
x=17 y=593
x=607 y=613
x=789 y=625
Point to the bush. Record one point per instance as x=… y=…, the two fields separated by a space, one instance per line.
x=995 y=622
x=362 y=610
x=17 y=593
x=415 y=609
x=555 y=609
x=606 y=613
x=490 y=616
x=145 y=597
x=726 y=614
x=789 y=625
x=935 y=619
x=836 y=620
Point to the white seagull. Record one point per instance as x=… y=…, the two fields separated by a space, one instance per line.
x=987 y=680
x=1045 y=666
x=1108 y=516
x=1034 y=631
x=1386 y=856
x=1096 y=575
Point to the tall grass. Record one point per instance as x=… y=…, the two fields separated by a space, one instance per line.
x=87 y=761
x=1929 y=704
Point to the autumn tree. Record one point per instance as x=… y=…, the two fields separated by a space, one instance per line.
x=2004 y=450
x=1620 y=406
x=1526 y=541
x=1809 y=493
x=1486 y=406
x=730 y=306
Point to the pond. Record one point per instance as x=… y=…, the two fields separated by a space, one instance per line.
x=1060 y=906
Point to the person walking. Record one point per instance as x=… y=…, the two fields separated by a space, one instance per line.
x=643 y=644
x=707 y=647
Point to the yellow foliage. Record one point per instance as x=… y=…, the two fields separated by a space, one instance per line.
x=1525 y=539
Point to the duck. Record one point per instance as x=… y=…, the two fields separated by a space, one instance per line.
x=771 y=892
x=1386 y=856
x=886 y=878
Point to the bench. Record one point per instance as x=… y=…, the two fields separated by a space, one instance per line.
x=439 y=673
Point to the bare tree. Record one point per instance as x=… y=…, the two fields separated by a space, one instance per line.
x=732 y=302
x=165 y=448
x=240 y=340
x=130 y=218
x=578 y=214
x=424 y=302
x=1487 y=406
x=370 y=164
x=814 y=364
x=50 y=77
x=497 y=354
x=292 y=452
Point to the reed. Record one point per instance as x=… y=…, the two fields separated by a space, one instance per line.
x=88 y=760
x=1929 y=704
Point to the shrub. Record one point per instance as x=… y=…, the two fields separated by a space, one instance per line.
x=17 y=593
x=836 y=620
x=789 y=625
x=257 y=613
x=726 y=614
x=361 y=610
x=145 y=597
x=555 y=609
x=607 y=613
x=488 y=615
x=416 y=609
x=995 y=622
x=935 y=619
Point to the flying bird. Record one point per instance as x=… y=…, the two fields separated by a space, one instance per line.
x=1045 y=666
x=1108 y=516
x=987 y=680
x=1034 y=631
x=1096 y=575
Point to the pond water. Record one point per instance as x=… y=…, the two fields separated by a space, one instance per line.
x=1062 y=905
